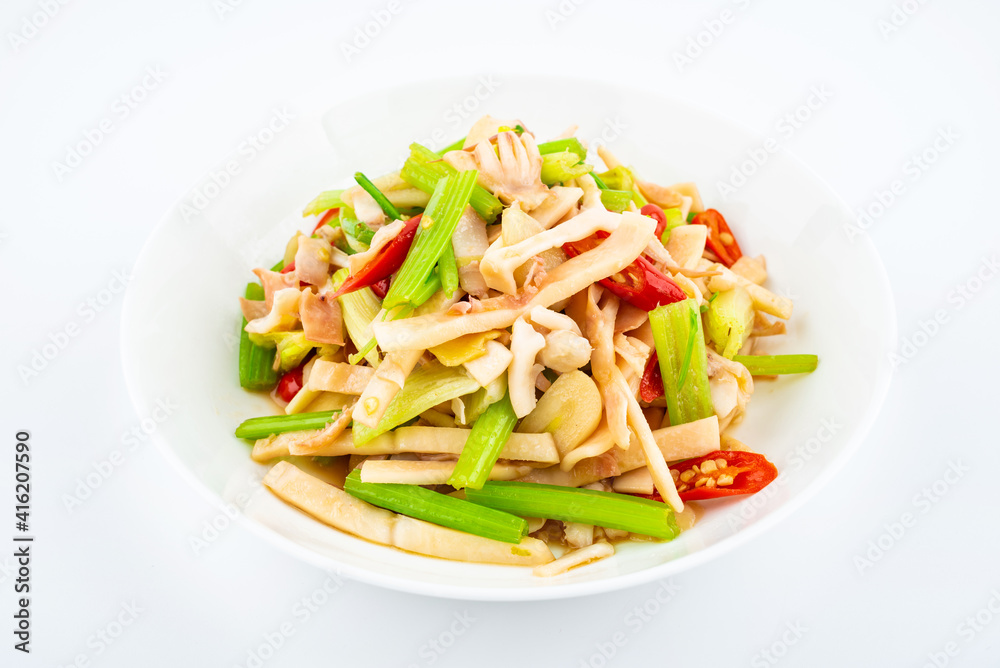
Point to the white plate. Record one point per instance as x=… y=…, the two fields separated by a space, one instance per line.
x=181 y=318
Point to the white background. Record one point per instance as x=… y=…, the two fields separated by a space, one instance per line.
x=129 y=543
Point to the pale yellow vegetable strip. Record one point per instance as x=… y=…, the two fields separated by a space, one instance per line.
x=575 y=558
x=342 y=511
x=639 y=481
x=540 y=448
x=438 y=541
x=763 y=299
x=330 y=505
x=686 y=244
x=427 y=473
x=654 y=457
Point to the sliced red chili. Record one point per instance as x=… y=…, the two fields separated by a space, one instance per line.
x=655 y=212
x=381 y=288
x=720 y=238
x=288 y=268
x=386 y=263
x=290 y=384
x=651 y=385
x=640 y=284
x=325 y=218
x=730 y=473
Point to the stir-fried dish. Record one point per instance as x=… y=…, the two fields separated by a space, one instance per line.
x=499 y=354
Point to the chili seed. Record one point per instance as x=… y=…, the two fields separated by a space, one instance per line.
x=702 y=482
x=725 y=480
x=686 y=476
x=708 y=466
x=721 y=463
x=710 y=483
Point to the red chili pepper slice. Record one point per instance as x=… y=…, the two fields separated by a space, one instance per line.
x=386 y=263
x=655 y=212
x=640 y=284
x=288 y=268
x=743 y=473
x=651 y=385
x=720 y=238
x=381 y=288
x=290 y=384
x=325 y=218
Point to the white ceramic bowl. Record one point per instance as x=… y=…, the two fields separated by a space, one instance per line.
x=180 y=320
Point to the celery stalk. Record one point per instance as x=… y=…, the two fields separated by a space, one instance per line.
x=586 y=506
x=448 y=270
x=769 y=365
x=489 y=435
x=262 y=427
x=623 y=178
x=680 y=347
x=674 y=219
x=437 y=508
x=326 y=200
x=616 y=200
x=377 y=195
x=425 y=388
x=562 y=167
x=477 y=402
x=600 y=183
x=424 y=168
x=359 y=310
x=729 y=321
x=256 y=362
x=573 y=145
x=451 y=195
x=354 y=228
